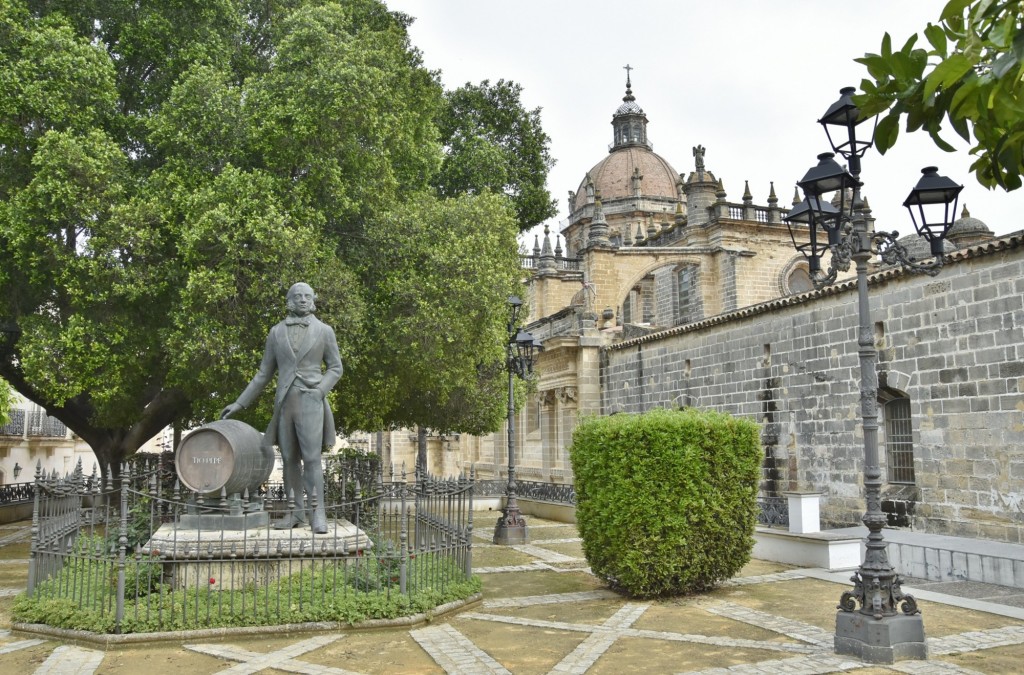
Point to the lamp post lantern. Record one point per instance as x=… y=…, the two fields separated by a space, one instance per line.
x=520 y=350
x=875 y=621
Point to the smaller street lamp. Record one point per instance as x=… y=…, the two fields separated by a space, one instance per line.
x=521 y=349
x=804 y=214
x=17 y=470
x=939 y=194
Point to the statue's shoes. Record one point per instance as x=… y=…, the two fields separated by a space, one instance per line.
x=287 y=522
x=319 y=523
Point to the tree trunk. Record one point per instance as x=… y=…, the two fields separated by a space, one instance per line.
x=111 y=445
x=421 y=450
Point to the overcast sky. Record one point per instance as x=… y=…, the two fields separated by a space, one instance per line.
x=747 y=79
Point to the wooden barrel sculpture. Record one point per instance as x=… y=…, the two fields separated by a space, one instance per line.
x=224 y=454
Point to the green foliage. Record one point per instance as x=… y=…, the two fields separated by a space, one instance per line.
x=168 y=170
x=139 y=526
x=6 y=401
x=666 y=500
x=329 y=591
x=438 y=286
x=493 y=143
x=971 y=74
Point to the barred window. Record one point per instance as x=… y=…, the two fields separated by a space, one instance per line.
x=899 y=441
x=689 y=305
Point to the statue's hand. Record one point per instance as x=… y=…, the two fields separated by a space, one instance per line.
x=229 y=411
x=314 y=391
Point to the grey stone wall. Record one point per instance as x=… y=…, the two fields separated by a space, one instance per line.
x=954 y=344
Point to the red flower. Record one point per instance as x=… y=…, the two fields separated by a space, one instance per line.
x=212 y=581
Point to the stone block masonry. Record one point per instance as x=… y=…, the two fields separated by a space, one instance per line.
x=952 y=344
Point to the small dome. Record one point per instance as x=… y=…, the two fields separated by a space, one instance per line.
x=968 y=230
x=613 y=176
x=918 y=248
x=629 y=108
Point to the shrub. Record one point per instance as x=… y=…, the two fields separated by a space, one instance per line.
x=666 y=500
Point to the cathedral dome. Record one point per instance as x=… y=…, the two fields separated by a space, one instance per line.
x=613 y=176
x=632 y=165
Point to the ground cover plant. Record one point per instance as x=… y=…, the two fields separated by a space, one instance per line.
x=324 y=590
x=666 y=500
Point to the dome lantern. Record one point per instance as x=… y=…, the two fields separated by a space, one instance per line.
x=629 y=121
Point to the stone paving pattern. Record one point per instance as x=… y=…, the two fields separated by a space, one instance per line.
x=544 y=612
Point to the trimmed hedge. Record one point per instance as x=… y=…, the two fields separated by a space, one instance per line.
x=666 y=500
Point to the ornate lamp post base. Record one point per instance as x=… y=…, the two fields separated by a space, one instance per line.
x=511 y=528
x=885 y=640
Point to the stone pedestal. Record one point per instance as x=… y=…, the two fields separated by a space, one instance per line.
x=230 y=559
x=885 y=640
x=229 y=521
x=511 y=535
x=804 y=512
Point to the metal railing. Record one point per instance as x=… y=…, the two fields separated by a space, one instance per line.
x=38 y=425
x=773 y=511
x=16 y=493
x=555 y=493
x=113 y=553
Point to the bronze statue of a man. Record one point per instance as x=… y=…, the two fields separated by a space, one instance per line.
x=304 y=352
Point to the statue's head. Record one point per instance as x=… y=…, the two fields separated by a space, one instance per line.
x=301 y=300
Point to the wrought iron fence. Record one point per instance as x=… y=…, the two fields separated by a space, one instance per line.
x=16 y=493
x=773 y=511
x=125 y=555
x=556 y=493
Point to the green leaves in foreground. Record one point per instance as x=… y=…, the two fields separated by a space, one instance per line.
x=970 y=75
x=666 y=500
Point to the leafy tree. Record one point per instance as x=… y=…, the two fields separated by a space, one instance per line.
x=6 y=401
x=493 y=142
x=972 y=76
x=437 y=286
x=167 y=170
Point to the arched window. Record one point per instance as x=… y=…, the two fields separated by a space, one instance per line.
x=899 y=438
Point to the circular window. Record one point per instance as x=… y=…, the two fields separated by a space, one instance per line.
x=799 y=281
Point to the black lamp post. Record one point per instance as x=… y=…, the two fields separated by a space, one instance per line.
x=876 y=621
x=17 y=470
x=520 y=350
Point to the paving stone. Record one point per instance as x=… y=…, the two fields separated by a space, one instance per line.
x=456 y=653
x=553 y=599
x=544 y=554
x=71 y=660
x=19 y=645
x=807 y=649
x=796 y=630
x=281 y=659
